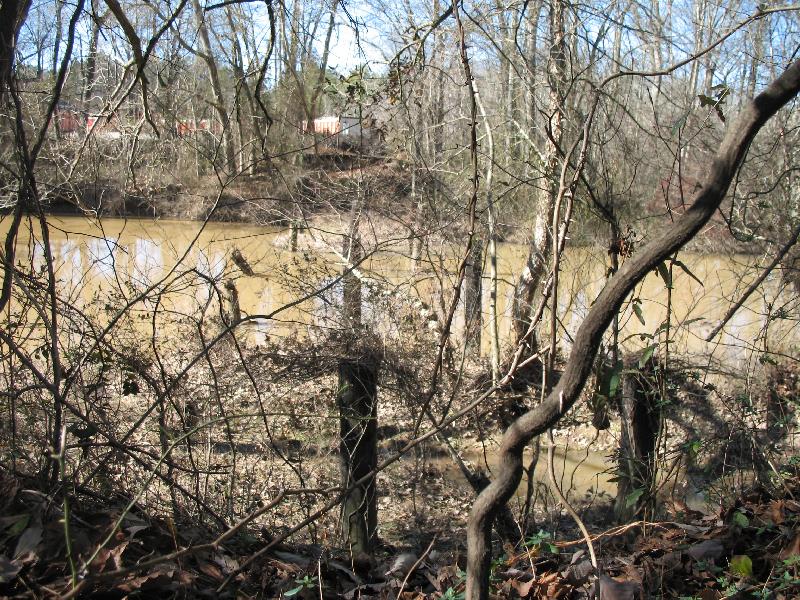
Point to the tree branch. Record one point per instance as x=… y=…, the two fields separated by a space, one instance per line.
x=754 y=286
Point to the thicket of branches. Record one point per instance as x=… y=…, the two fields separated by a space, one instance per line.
x=554 y=125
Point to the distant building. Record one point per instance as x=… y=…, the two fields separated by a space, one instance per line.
x=186 y=127
x=343 y=131
x=120 y=125
x=68 y=120
x=103 y=128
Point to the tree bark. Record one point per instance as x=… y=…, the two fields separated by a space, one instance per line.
x=91 y=59
x=311 y=105
x=641 y=422
x=12 y=16
x=358 y=403
x=587 y=340
x=473 y=293
x=220 y=105
x=541 y=241
x=491 y=246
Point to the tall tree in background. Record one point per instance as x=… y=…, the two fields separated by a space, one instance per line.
x=220 y=103
x=537 y=262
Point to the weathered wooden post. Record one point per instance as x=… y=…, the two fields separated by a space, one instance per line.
x=232 y=312
x=358 y=411
x=294 y=229
x=358 y=408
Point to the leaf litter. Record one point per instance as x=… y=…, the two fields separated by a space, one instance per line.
x=750 y=550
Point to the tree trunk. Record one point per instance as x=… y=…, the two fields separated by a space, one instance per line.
x=358 y=403
x=777 y=408
x=91 y=60
x=58 y=27
x=541 y=242
x=473 y=292
x=312 y=107
x=531 y=49
x=757 y=56
x=241 y=76
x=216 y=87
x=491 y=246
x=641 y=422
x=12 y=16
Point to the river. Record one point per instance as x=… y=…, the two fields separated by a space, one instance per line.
x=117 y=259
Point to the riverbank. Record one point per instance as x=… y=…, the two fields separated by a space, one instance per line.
x=322 y=192
x=274 y=197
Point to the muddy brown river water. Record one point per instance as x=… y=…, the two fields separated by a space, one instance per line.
x=125 y=256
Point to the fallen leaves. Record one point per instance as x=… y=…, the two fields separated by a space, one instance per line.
x=706 y=550
x=28 y=543
x=550 y=585
x=109 y=556
x=611 y=589
x=700 y=559
x=792 y=548
x=164 y=577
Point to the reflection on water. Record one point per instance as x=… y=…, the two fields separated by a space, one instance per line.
x=70 y=265
x=101 y=254
x=147 y=258
x=327 y=304
x=189 y=266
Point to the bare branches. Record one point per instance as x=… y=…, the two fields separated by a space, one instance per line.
x=228 y=3
x=190 y=370
x=790 y=243
x=723 y=169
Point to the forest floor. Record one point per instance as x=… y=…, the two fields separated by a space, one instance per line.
x=117 y=546
x=111 y=550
